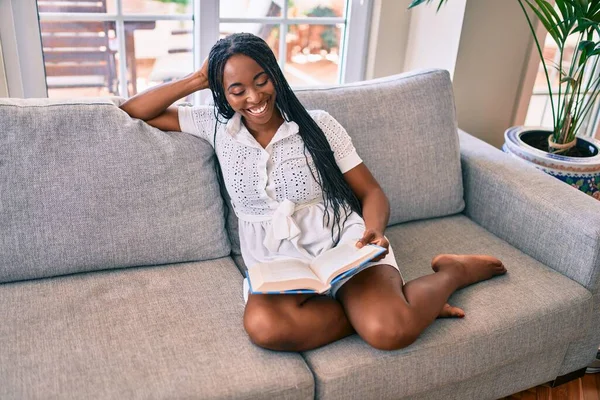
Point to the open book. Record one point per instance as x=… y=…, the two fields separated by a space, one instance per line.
x=298 y=276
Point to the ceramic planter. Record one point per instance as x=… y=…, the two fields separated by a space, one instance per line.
x=582 y=173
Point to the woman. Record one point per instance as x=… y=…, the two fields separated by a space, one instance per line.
x=280 y=160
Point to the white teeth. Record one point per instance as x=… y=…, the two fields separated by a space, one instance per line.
x=258 y=110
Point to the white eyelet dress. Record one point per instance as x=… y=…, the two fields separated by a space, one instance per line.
x=278 y=202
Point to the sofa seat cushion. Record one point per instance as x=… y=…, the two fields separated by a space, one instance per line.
x=525 y=312
x=165 y=332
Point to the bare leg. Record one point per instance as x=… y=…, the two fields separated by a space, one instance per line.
x=427 y=293
x=389 y=316
x=294 y=322
x=302 y=322
x=372 y=299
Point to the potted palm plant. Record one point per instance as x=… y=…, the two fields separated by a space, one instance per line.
x=560 y=151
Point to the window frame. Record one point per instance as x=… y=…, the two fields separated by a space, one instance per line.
x=3 y=80
x=22 y=41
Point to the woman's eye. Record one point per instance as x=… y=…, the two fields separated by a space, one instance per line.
x=263 y=83
x=238 y=93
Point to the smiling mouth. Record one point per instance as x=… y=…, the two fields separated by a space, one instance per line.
x=259 y=109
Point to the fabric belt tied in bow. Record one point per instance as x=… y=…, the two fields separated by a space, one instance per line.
x=283 y=226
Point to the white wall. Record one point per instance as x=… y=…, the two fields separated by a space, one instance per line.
x=491 y=68
x=434 y=36
x=387 y=40
x=485 y=44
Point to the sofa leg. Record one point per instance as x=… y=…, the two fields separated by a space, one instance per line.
x=559 y=380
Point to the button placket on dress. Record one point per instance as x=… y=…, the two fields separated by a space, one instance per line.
x=283 y=226
x=265 y=169
x=285 y=130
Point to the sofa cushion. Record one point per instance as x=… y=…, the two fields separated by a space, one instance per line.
x=526 y=312
x=85 y=187
x=505 y=380
x=167 y=332
x=404 y=128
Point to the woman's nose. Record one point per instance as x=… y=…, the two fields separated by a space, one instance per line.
x=253 y=97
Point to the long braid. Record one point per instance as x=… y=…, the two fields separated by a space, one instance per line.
x=338 y=195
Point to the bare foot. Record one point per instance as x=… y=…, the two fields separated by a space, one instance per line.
x=449 y=311
x=469 y=269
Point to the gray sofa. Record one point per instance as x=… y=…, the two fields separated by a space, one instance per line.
x=121 y=278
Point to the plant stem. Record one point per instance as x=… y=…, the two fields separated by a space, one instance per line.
x=560 y=108
x=537 y=45
x=593 y=84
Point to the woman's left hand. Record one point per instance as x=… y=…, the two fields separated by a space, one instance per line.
x=371 y=236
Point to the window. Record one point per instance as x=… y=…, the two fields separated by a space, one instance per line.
x=539 y=112
x=122 y=47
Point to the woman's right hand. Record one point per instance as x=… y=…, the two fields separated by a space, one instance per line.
x=154 y=105
x=200 y=77
x=204 y=70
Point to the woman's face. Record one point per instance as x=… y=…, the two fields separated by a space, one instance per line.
x=250 y=91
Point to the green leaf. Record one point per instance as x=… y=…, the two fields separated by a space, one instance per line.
x=594 y=10
x=549 y=11
x=568 y=79
x=565 y=9
x=556 y=67
x=415 y=3
x=586 y=45
x=549 y=25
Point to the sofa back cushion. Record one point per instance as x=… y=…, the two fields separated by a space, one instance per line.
x=404 y=128
x=85 y=187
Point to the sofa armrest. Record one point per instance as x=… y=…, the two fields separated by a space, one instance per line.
x=536 y=213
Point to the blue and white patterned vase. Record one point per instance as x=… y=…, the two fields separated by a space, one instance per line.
x=582 y=173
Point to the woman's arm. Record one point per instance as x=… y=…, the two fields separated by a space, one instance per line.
x=152 y=105
x=375 y=206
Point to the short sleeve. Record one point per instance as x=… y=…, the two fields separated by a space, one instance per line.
x=197 y=121
x=344 y=152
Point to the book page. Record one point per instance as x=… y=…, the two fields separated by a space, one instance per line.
x=342 y=258
x=284 y=275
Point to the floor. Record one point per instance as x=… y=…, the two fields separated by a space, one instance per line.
x=586 y=388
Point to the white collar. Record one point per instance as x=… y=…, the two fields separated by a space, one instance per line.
x=234 y=126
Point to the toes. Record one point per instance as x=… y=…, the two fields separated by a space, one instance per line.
x=449 y=311
x=500 y=268
x=456 y=312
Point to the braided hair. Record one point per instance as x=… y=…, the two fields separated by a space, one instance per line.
x=338 y=195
